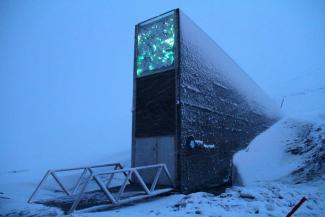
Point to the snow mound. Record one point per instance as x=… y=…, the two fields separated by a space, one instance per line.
x=292 y=151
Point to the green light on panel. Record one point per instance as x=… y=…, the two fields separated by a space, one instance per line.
x=156 y=43
x=139 y=72
x=170 y=41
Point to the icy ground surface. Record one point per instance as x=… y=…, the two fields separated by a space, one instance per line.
x=279 y=167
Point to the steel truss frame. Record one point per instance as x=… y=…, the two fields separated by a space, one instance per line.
x=90 y=175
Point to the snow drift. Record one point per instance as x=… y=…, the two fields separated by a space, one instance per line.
x=291 y=149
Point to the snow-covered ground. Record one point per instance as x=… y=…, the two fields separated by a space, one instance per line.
x=279 y=167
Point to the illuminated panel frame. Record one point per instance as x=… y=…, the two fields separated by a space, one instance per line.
x=154 y=54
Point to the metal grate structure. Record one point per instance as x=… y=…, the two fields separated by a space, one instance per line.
x=132 y=176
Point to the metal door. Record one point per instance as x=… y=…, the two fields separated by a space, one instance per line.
x=154 y=150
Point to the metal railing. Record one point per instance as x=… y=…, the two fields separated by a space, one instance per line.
x=90 y=175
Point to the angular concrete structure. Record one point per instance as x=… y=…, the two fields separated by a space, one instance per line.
x=193 y=106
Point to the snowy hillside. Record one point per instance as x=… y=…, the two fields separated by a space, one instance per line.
x=291 y=148
x=280 y=166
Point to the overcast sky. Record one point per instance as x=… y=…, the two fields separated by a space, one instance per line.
x=66 y=66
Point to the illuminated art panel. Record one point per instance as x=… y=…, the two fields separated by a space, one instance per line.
x=155 y=44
